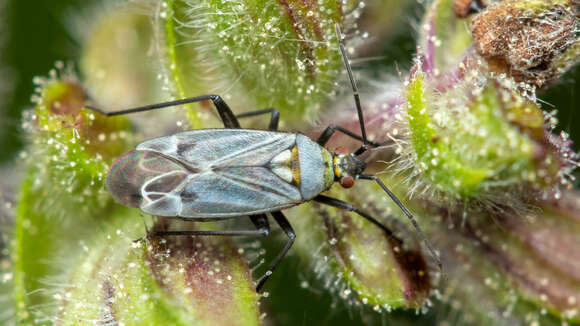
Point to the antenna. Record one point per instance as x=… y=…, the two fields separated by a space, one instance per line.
x=364 y=147
x=361 y=120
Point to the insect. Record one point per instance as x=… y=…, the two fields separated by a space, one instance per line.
x=464 y=8
x=213 y=174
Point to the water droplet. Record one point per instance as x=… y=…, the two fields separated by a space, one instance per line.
x=301 y=65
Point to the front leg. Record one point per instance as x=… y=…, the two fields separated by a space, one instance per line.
x=350 y=207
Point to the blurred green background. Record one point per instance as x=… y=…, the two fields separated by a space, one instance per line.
x=34 y=35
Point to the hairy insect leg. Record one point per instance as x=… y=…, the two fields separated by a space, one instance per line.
x=274 y=116
x=224 y=111
x=260 y=221
x=287 y=228
x=350 y=207
x=146 y=230
x=408 y=214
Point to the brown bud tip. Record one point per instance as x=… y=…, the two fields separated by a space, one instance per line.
x=65 y=98
x=525 y=44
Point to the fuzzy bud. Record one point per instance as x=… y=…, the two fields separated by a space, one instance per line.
x=63 y=192
x=67 y=140
x=360 y=262
x=117 y=57
x=176 y=280
x=467 y=139
x=532 y=41
x=63 y=203
x=254 y=54
x=520 y=268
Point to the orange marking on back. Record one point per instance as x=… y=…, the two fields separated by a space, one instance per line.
x=295 y=165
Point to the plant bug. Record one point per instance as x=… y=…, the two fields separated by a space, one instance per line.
x=213 y=174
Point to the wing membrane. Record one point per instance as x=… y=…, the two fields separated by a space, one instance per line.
x=203 y=150
x=224 y=193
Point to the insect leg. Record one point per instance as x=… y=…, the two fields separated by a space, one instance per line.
x=274 y=118
x=350 y=207
x=285 y=225
x=260 y=221
x=408 y=214
x=331 y=129
x=225 y=113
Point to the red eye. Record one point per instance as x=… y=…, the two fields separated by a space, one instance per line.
x=347 y=182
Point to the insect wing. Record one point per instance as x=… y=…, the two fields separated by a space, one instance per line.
x=228 y=174
x=137 y=172
x=207 y=149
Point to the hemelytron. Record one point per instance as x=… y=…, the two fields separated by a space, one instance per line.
x=213 y=174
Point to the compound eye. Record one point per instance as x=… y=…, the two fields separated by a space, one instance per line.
x=347 y=181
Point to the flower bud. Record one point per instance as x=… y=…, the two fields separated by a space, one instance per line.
x=466 y=139
x=120 y=67
x=517 y=269
x=444 y=39
x=70 y=146
x=255 y=55
x=177 y=280
x=299 y=39
x=63 y=192
x=360 y=262
x=532 y=41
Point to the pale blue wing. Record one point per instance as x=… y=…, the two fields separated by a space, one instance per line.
x=207 y=149
x=228 y=174
x=227 y=192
